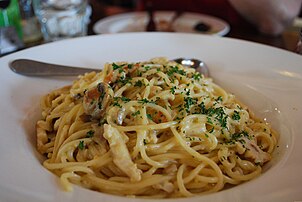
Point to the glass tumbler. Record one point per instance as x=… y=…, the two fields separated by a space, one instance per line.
x=61 y=19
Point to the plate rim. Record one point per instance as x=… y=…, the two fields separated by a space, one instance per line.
x=61 y=43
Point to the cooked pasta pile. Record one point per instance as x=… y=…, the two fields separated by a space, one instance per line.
x=151 y=129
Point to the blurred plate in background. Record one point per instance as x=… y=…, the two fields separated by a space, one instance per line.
x=136 y=22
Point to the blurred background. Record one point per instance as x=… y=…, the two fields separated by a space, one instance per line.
x=21 y=27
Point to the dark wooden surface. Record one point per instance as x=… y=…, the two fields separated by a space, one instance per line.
x=287 y=40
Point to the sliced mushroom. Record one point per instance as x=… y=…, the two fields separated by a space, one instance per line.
x=97 y=99
x=121 y=115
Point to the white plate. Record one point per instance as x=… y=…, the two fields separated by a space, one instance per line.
x=267 y=79
x=136 y=22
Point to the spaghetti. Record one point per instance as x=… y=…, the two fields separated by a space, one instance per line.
x=151 y=129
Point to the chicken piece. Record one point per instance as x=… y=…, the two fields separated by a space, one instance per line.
x=97 y=99
x=120 y=153
x=171 y=169
x=254 y=152
x=165 y=186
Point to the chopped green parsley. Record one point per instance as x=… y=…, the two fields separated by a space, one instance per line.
x=90 y=133
x=236 y=116
x=81 y=145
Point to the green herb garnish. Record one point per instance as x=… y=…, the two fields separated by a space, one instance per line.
x=81 y=145
x=236 y=116
x=90 y=134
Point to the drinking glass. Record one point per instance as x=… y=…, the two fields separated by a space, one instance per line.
x=30 y=26
x=61 y=19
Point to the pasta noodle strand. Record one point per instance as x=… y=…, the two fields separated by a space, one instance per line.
x=151 y=129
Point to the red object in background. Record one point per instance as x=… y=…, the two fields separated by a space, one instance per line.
x=219 y=8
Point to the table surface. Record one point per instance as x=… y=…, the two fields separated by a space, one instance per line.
x=287 y=40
